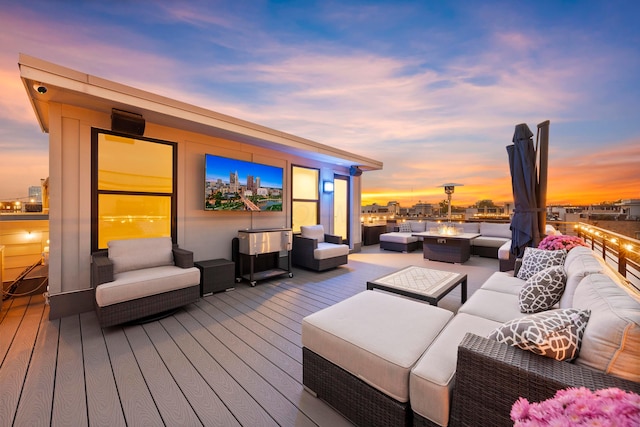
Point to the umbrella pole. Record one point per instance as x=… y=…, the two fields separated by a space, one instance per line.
x=543 y=129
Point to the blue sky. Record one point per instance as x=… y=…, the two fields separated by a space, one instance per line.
x=434 y=89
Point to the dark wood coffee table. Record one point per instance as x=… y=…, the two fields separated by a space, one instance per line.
x=421 y=283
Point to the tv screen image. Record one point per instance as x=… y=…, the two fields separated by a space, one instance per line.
x=238 y=185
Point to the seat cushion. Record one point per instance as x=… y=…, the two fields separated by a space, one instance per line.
x=489 y=241
x=135 y=284
x=431 y=379
x=398 y=237
x=503 y=282
x=497 y=306
x=611 y=342
x=375 y=336
x=330 y=250
x=134 y=254
x=312 y=232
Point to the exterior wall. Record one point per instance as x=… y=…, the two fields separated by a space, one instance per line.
x=207 y=234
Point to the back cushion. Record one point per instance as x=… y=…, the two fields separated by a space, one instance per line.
x=611 y=342
x=495 y=230
x=470 y=227
x=576 y=253
x=576 y=270
x=312 y=232
x=418 y=226
x=135 y=254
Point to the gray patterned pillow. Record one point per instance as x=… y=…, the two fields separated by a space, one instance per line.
x=554 y=333
x=405 y=227
x=542 y=290
x=535 y=260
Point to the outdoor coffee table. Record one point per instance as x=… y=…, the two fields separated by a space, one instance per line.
x=421 y=283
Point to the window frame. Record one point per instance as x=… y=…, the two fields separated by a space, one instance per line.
x=316 y=201
x=96 y=192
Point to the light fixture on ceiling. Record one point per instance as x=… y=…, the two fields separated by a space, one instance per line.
x=40 y=88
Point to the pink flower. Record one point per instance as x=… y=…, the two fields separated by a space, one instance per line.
x=562 y=241
x=581 y=407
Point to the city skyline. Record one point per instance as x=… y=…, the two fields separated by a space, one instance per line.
x=432 y=90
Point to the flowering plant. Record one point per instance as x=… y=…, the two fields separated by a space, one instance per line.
x=580 y=407
x=562 y=241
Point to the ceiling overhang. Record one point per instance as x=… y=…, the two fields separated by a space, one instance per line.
x=70 y=87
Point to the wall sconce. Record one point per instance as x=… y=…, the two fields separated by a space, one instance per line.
x=327 y=186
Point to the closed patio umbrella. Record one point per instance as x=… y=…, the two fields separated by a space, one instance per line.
x=524 y=181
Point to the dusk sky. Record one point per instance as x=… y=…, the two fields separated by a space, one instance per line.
x=433 y=89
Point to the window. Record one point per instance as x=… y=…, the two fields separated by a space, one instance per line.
x=134 y=188
x=305 y=197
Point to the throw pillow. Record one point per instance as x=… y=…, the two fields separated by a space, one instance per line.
x=535 y=260
x=542 y=290
x=554 y=333
x=405 y=227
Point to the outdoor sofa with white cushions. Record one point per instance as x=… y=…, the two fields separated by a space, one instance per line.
x=388 y=360
x=137 y=278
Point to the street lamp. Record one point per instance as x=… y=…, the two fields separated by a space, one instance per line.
x=449 y=188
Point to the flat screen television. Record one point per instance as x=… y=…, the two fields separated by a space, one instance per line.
x=238 y=185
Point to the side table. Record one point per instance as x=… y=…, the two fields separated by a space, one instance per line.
x=216 y=275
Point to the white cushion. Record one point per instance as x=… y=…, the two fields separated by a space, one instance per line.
x=492 y=305
x=504 y=252
x=489 y=229
x=503 y=282
x=375 y=336
x=431 y=379
x=470 y=227
x=330 y=250
x=135 y=284
x=611 y=342
x=575 y=253
x=579 y=266
x=418 y=226
x=398 y=237
x=404 y=227
x=312 y=232
x=135 y=254
x=489 y=241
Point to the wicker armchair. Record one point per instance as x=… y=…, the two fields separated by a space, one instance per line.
x=315 y=250
x=138 y=296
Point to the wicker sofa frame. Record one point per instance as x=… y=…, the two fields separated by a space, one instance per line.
x=399 y=247
x=491 y=376
x=302 y=253
x=349 y=395
x=140 y=308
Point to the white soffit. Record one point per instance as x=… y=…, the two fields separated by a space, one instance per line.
x=70 y=87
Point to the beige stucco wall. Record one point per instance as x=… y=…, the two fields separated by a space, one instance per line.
x=208 y=234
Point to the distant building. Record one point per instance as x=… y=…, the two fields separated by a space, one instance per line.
x=35 y=194
x=631 y=208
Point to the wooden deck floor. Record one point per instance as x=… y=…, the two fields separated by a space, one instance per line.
x=233 y=358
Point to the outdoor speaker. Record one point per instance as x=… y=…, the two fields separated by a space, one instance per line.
x=355 y=171
x=126 y=122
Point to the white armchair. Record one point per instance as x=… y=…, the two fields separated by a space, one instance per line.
x=315 y=250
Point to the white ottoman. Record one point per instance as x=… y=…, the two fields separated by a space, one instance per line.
x=371 y=341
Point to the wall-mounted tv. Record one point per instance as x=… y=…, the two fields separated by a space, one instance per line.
x=238 y=185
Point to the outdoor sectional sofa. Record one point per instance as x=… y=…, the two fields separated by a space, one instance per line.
x=494 y=240
x=138 y=278
x=381 y=359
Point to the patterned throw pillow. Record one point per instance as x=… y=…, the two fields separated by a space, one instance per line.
x=554 y=333
x=535 y=260
x=542 y=290
x=405 y=227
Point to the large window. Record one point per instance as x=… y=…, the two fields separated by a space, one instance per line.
x=134 y=188
x=305 y=197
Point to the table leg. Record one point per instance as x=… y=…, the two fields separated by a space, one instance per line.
x=463 y=298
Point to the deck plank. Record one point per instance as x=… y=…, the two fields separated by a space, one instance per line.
x=10 y=324
x=103 y=401
x=137 y=403
x=246 y=410
x=171 y=402
x=278 y=407
x=14 y=371
x=206 y=404
x=37 y=394
x=69 y=399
